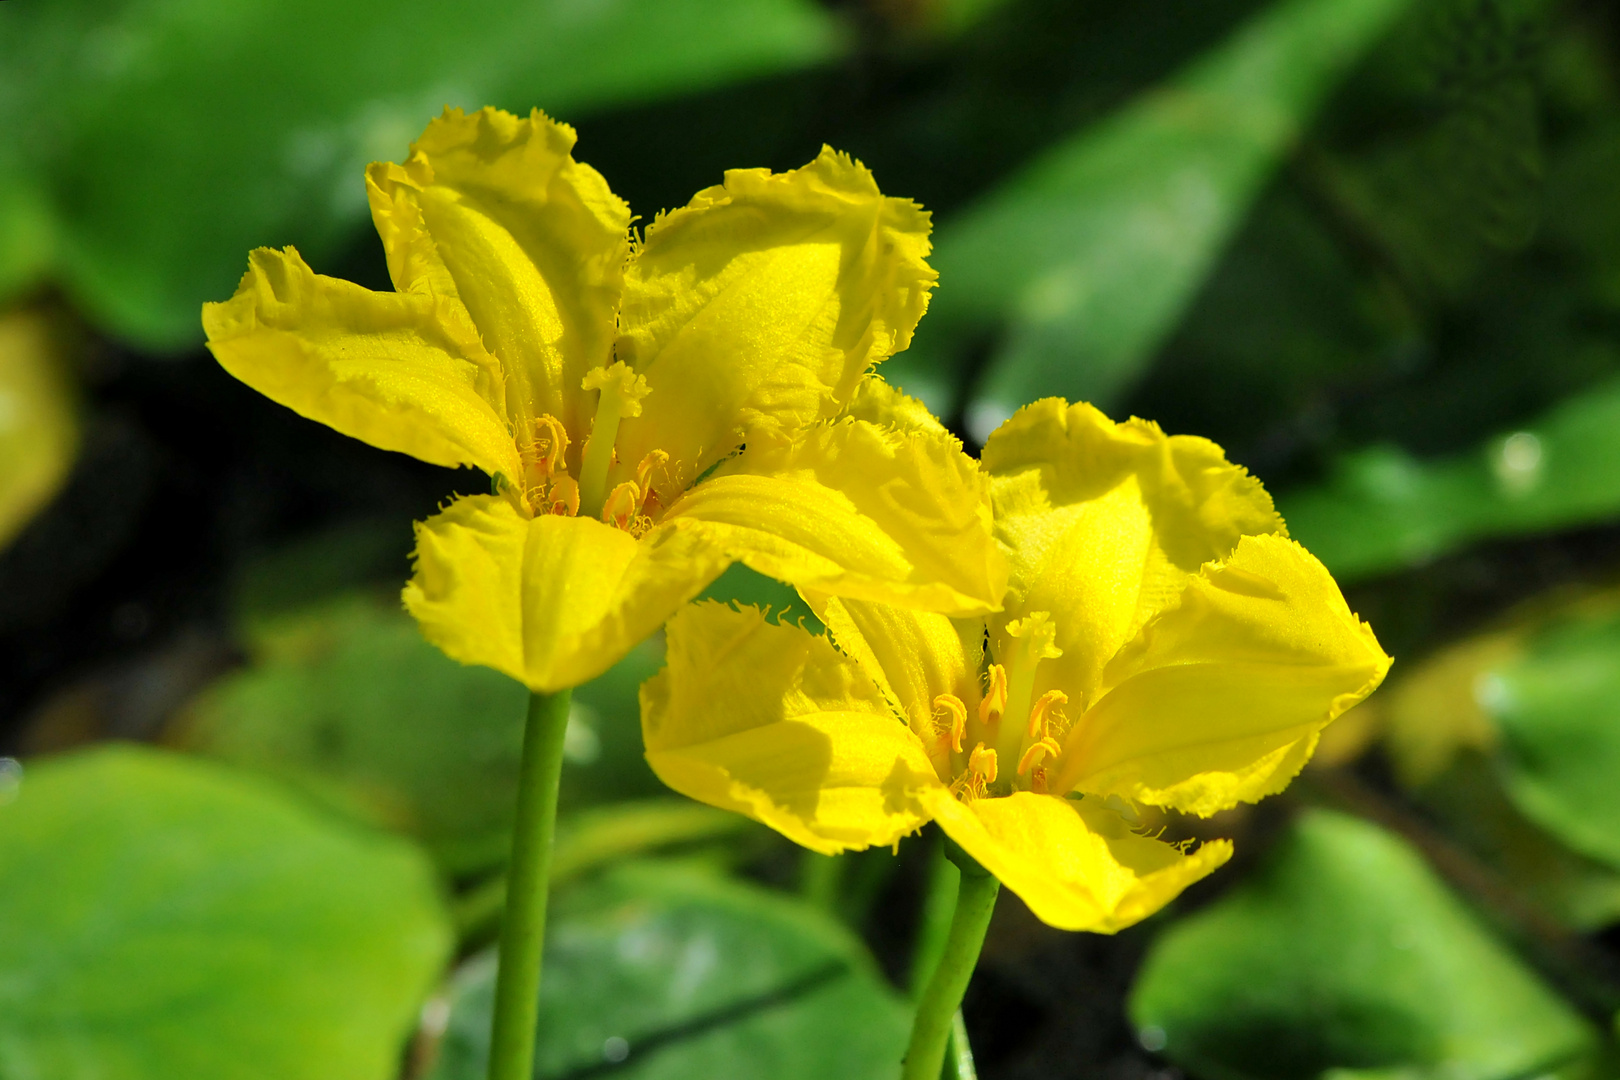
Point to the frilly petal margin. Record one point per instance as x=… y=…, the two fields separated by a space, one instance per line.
x=754 y=310
x=400 y=371
x=1075 y=863
x=771 y=722
x=551 y=601
x=854 y=510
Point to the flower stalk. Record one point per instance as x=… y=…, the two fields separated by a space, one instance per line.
x=523 y=930
x=937 y=1008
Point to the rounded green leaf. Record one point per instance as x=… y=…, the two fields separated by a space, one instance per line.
x=166 y=919
x=1345 y=952
x=1557 y=707
x=660 y=972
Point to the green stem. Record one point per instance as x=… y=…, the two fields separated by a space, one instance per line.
x=939 y=902
x=523 y=930
x=931 y=1030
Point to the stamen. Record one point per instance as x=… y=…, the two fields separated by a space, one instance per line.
x=621 y=394
x=982 y=763
x=1037 y=715
x=563 y=496
x=620 y=508
x=654 y=460
x=952 y=706
x=994 y=702
x=550 y=444
x=1046 y=748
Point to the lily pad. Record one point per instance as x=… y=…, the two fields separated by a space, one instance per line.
x=1345 y=953
x=1557 y=707
x=657 y=971
x=164 y=918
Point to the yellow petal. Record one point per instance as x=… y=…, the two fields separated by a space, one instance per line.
x=399 y=371
x=1076 y=863
x=769 y=721
x=877 y=402
x=551 y=601
x=1220 y=699
x=492 y=211
x=1106 y=522
x=854 y=510
x=756 y=308
x=912 y=656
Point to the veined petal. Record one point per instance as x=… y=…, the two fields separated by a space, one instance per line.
x=551 y=601
x=1106 y=522
x=756 y=308
x=396 y=371
x=492 y=212
x=1220 y=699
x=769 y=721
x=854 y=510
x=1076 y=863
x=912 y=656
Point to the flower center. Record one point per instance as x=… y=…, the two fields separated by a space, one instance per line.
x=547 y=487
x=1009 y=726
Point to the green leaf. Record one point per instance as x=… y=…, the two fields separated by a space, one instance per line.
x=1344 y=952
x=174 y=137
x=348 y=701
x=1557 y=707
x=1384 y=510
x=168 y=919
x=660 y=972
x=1089 y=255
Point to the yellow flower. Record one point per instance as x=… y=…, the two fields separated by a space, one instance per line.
x=1162 y=643
x=598 y=377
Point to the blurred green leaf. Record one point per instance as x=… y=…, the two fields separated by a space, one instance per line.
x=174 y=137
x=39 y=423
x=347 y=700
x=1557 y=707
x=168 y=919
x=659 y=972
x=1091 y=253
x=1383 y=510
x=1345 y=953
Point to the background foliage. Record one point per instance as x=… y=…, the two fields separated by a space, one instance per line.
x=1372 y=247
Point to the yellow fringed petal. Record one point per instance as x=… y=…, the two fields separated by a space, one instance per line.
x=755 y=309
x=1106 y=522
x=551 y=601
x=399 y=371
x=1220 y=699
x=1076 y=863
x=493 y=210
x=912 y=656
x=853 y=510
x=769 y=721
x=877 y=402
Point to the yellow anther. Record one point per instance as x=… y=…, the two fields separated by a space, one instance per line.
x=654 y=460
x=1046 y=748
x=952 y=705
x=994 y=702
x=622 y=389
x=550 y=444
x=982 y=764
x=563 y=498
x=622 y=504
x=1037 y=715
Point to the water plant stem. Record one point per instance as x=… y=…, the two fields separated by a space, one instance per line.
x=523 y=930
x=937 y=1008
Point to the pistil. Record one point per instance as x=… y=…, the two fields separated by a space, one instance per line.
x=621 y=391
